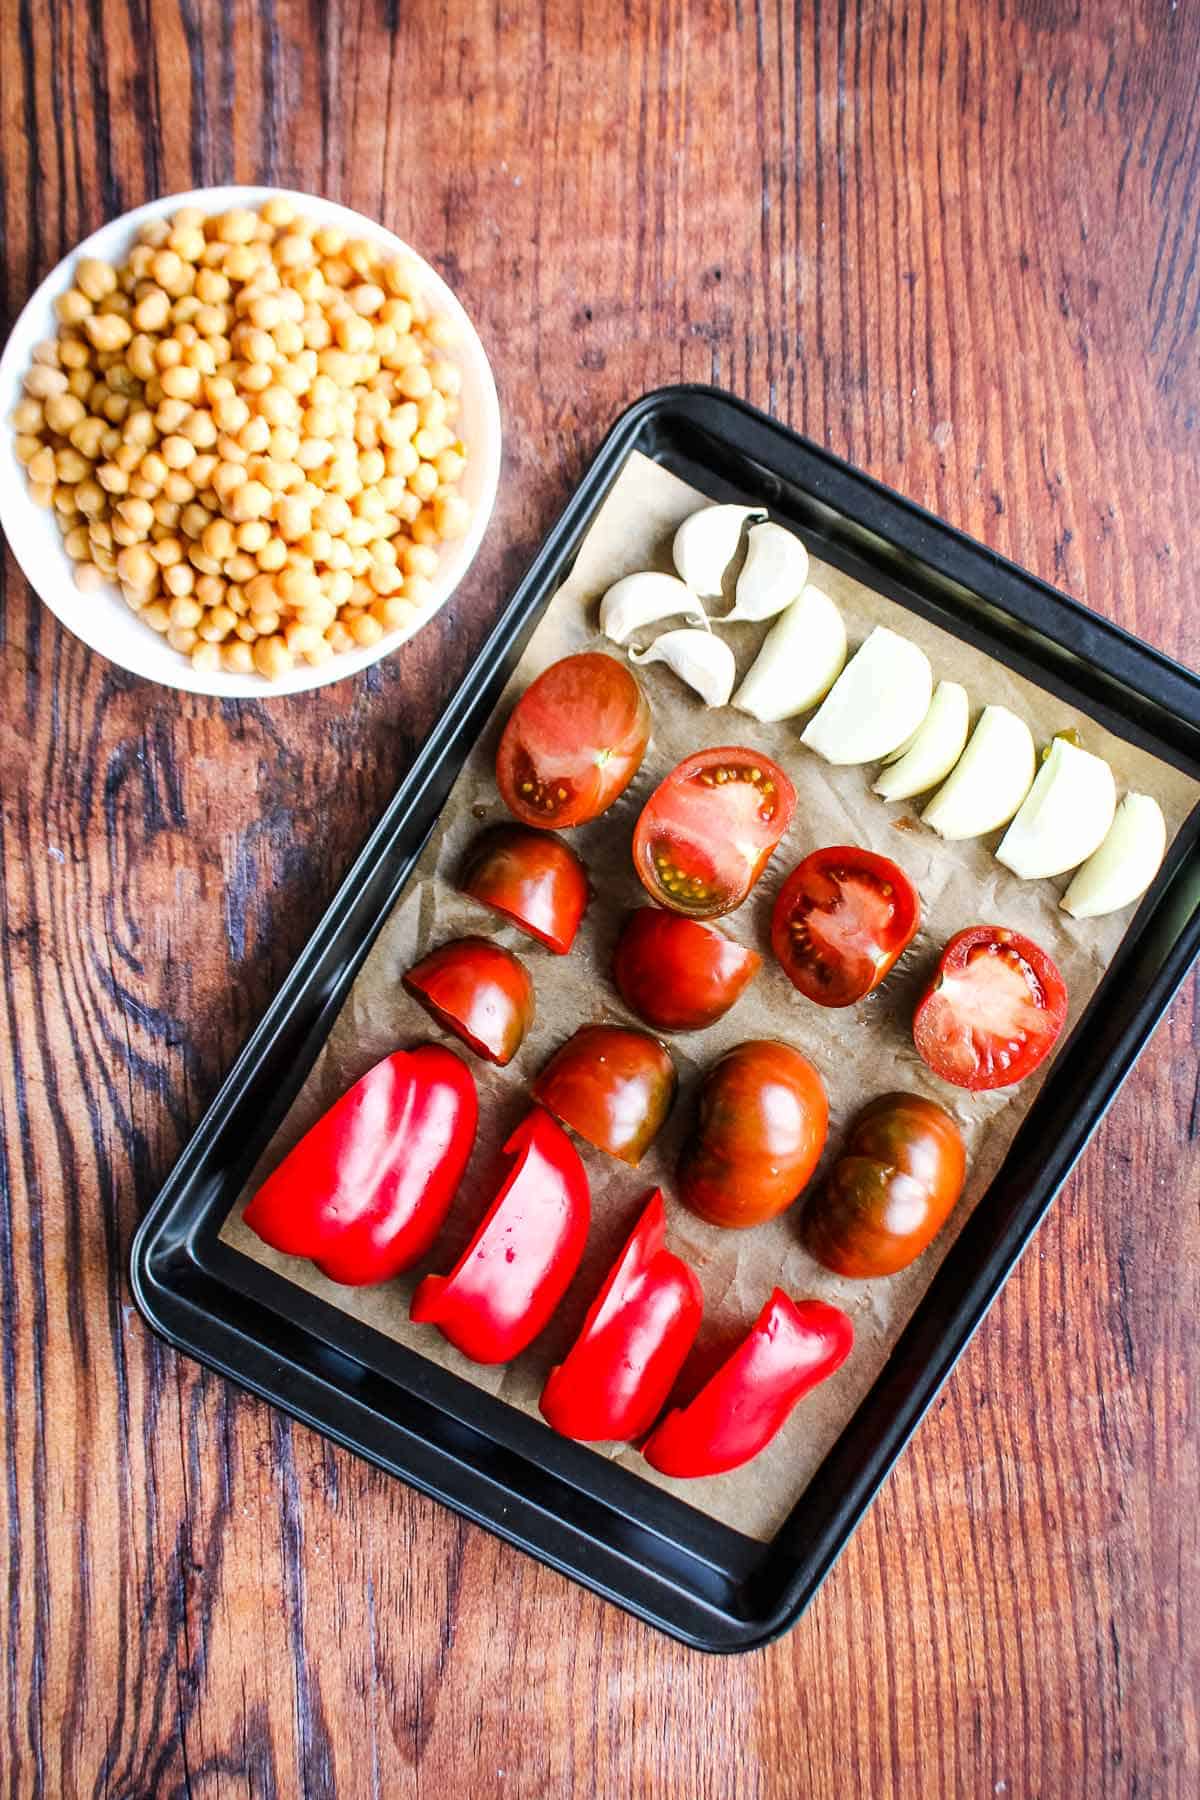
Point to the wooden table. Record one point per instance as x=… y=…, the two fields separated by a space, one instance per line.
x=958 y=245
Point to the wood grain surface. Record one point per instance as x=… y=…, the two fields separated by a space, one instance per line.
x=959 y=244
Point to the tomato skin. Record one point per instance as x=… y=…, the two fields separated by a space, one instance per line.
x=793 y=1346
x=843 y=919
x=891 y=1190
x=366 y=1190
x=531 y=878
x=759 y=1134
x=519 y=1264
x=480 y=991
x=613 y=1085
x=614 y=1380
x=573 y=743
x=993 y=1010
x=708 y=830
x=679 y=974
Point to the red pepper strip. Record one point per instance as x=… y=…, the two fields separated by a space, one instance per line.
x=793 y=1346
x=366 y=1190
x=517 y=1267
x=616 y=1377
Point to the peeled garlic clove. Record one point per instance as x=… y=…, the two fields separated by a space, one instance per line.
x=773 y=574
x=1064 y=817
x=641 y=599
x=877 y=701
x=703 y=661
x=801 y=657
x=989 y=780
x=1121 y=870
x=707 y=542
x=935 y=747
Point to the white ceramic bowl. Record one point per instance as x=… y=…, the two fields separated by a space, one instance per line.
x=102 y=619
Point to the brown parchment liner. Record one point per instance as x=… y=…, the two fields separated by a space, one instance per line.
x=860 y=1051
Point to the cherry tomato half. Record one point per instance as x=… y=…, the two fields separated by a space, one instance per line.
x=842 y=920
x=575 y=741
x=612 y=1085
x=679 y=974
x=707 y=832
x=890 y=1191
x=530 y=877
x=993 y=1010
x=759 y=1135
x=478 y=990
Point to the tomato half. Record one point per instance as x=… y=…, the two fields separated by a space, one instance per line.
x=842 y=920
x=679 y=974
x=707 y=832
x=759 y=1134
x=478 y=990
x=575 y=741
x=993 y=1010
x=890 y=1191
x=611 y=1084
x=530 y=877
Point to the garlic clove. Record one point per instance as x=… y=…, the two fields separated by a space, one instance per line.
x=707 y=542
x=703 y=661
x=878 y=700
x=1064 y=817
x=988 y=782
x=1121 y=870
x=641 y=599
x=800 y=659
x=773 y=574
x=934 y=748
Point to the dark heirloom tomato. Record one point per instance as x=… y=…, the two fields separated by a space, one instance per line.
x=679 y=974
x=530 y=877
x=617 y=1374
x=795 y=1344
x=612 y=1085
x=478 y=990
x=575 y=741
x=890 y=1191
x=707 y=832
x=993 y=1010
x=759 y=1136
x=842 y=920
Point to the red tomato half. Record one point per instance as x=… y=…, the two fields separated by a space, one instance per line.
x=993 y=1010
x=478 y=990
x=530 y=877
x=575 y=741
x=679 y=974
x=707 y=832
x=842 y=919
x=612 y=1085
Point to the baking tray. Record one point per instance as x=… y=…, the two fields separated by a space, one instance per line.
x=641 y=1547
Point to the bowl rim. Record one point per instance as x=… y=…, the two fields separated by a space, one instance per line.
x=21 y=524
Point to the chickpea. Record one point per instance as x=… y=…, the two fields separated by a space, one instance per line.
x=95 y=279
x=41 y=382
x=177 y=488
x=206 y=658
x=88 y=578
x=237 y=658
x=177 y=451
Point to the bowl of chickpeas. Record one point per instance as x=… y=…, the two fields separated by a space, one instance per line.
x=252 y=441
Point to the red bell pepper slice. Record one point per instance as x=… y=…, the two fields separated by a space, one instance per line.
x=517 y=1267
x=616 y=1377
x=366 y=1190
x=793 y=1346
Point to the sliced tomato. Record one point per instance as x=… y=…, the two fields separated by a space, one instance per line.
x=575 y=741
x=679 y=974
x=707 y=832
x=992 y=1012
x=532 y=878
x=478 y=990
x=611 y=1084
x=842 y=919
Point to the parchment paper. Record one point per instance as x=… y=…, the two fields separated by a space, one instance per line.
x=861 y=1051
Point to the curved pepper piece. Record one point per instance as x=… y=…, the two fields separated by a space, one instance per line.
x=517 y=1267
x=616 y=1377
x=793 y=1346
x=366 y=1190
